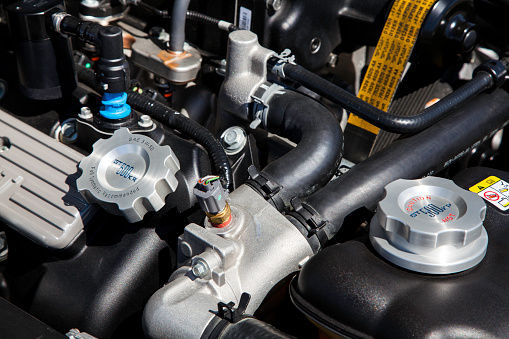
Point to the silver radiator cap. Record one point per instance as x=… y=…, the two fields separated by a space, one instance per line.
x=430 y=226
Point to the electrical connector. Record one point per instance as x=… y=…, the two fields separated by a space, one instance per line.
x=212 y=199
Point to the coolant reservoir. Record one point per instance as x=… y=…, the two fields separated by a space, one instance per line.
x=430 y=226
x=398 y=281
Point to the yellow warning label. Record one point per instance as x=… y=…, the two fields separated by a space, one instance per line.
x=391 y=56
x=484 y=184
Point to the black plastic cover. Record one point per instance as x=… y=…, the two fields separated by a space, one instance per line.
x=16 y=323
x=44 y=57
x=349 y=289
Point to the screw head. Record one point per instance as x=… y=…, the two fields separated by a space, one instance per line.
x=145 y=121
x=200 y=269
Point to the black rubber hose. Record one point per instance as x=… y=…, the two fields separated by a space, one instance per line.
x=173 y=119
x=252 y=328
x=423 y=154
x=315 y=159
x=195 y=131
x=392 y=123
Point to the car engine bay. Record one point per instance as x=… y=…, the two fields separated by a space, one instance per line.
x=254 y=169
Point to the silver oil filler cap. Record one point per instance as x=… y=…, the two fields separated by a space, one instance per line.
x=430 y=226
x=128 y=174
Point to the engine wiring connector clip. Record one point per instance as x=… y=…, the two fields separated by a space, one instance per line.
x=212 y=199
x=114 y=106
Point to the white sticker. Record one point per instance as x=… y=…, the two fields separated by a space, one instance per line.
x=245 y=18
x=494 y=190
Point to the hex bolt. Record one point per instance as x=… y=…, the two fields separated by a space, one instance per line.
x=332 y=60
x=145 y=121
x=68 y=132
x=233 y=140
x=274 y=4
x=85 y=113
x=200 y=269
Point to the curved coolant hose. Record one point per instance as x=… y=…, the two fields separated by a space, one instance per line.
x=175 y=120
x=195 y=131
x=178 y=25
x=392 y=123
x=420 y=155
x=315 y=159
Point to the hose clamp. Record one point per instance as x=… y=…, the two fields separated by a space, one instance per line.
x=261 y=98
x=56 y=20
x=496 y=69
x=285 y=57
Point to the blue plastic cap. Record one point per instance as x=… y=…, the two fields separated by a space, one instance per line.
x=114 y=106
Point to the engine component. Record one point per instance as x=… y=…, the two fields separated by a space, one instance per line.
x=128 y=174
x=16 y=323
x=178 y=68
x=315 y=31
x=350 y=290
x=112 y=67
x=38 y=195
x=212 y=199
x=489 y=76
x=173 y=119
x=246 y=94
x=425 y=153
x=448 y=31
x=233 y=140
x=102 y=12
x=246 y=71
x=44 y=58
x=279 y=192
x=230 y=260
x=430 y=226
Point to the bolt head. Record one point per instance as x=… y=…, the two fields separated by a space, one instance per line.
x=85 y=113
x=233 y=139
x=68 y=132
x=274 y=4
x=145 y=121
x=200 y=269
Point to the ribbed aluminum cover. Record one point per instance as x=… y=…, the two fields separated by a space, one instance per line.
x=38 y=195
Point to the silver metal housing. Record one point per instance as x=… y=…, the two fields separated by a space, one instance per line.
x=38 y=195
x=128 y=174
x=256 y=251
x=178 y=68
x=430 y=225
x=246 y=70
